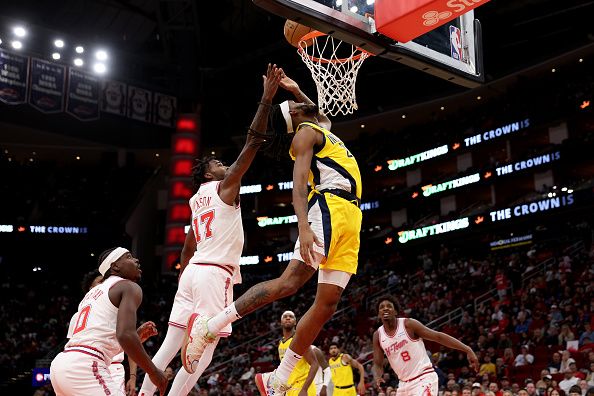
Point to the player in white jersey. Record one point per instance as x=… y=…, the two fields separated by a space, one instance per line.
x=105 y=324
x=401 y=340
x=116 y=368
x=213 y=246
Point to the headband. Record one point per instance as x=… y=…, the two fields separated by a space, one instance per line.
x=288 y=312
x=111 y=258
x=284 y=107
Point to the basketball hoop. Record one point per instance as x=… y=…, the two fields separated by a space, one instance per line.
x=334 y=65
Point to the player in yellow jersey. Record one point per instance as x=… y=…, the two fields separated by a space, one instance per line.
x=329 y=221
x=305 y=372
x=342 y=365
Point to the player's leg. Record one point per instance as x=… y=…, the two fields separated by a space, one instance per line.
x=184 y=382
x=427 y=385
x=334 y=274
x=292 y=278
x=180 y=312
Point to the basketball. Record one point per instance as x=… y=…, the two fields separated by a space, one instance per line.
x=294 y=31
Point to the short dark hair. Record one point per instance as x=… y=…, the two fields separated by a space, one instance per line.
x=575 y=389
x=334 y=344
x=389 y=298
x=88 y=279
x=102 y=257
x=199 y=170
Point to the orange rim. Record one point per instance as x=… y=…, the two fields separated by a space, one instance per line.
x=315 y=34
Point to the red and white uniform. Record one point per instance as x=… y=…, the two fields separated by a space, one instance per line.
x=117 y=371
x=409 y=360
x=116 y=368
x=83 y=367
x=206 y=285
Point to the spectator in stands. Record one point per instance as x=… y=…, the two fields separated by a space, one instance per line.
x=537 y=338
x=531 y=388
x=566 y=360
x=565 y=335
x=569 y=380
x=504 y=341
x=554 y=392
x=505 y=383
x=583 y=384
x=476 y=389
x=466 y=391
x=487 y=367
x=588 y=333
x=493 y=387
x=554 y=365
x=590 y=376
x=524 y=358
x=508 y=357
x=523 y=392
x=575 y=391
x=556 y=314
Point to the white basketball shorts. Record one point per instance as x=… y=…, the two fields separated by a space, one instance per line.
x=204 y=289
x=425 y=385
x=76 y=373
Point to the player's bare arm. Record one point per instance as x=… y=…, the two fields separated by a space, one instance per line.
x=291 y=86
x=127 y=296
x=303 y=146
x=131 y=384
x=378 y=361
x=422 y=331
x=229 y=187
x=311 y=359
x=348 y=359
x=188 y=250
x=325 y=367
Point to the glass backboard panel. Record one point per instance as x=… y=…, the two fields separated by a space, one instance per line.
x=451 y=51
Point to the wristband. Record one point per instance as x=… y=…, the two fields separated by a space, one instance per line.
x=265 y=104
x=327 y=373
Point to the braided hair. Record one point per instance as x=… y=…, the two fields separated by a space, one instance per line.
x=199 y=170
x=278 y=141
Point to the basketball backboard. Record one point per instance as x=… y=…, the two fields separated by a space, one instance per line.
x=452 y=51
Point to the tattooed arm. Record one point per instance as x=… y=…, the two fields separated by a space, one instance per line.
x=229 y=187
x=293 y=87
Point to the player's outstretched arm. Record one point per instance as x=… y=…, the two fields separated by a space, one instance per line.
x=291 y=86
x=378 y=361
x=311 y=359
x=444 y=339
x=302 y=146
x=348 y=359
x=229 y=187
x=129 y=297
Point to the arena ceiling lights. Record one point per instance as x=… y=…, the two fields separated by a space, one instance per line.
x=54 y=47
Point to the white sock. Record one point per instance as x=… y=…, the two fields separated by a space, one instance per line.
x=171 y=345
x=222 y=319
x=184 y=382
x=287 y=365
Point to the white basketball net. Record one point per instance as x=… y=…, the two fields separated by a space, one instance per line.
x=334 y=76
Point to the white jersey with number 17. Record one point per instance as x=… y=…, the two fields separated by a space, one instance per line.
x=218 y=229
x=407 y=357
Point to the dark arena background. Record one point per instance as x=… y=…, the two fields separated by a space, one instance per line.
x=478 y=202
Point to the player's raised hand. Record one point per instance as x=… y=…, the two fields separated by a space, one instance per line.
x=289 y=84
x=146 y=331
x=271 y=81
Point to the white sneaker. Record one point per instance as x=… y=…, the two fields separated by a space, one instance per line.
x=269 y=385
x=197 y=337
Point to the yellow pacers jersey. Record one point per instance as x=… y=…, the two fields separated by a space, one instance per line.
x=299 y=373
x=333 y=166
x=342 y=377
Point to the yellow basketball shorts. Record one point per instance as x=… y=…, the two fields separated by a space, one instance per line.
x=336 y=223
x=296 y=388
